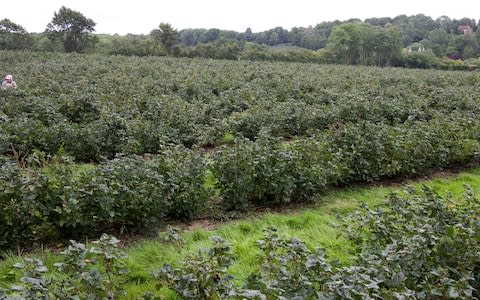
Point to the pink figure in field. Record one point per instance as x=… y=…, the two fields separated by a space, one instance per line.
x=8 y=83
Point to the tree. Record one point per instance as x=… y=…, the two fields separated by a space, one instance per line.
x=362 y=43
x=387 y=46
x=190 y=37
x=369 y=42
x=43 y=43
x=463 y=46
x=210 y=35
x=8 y=26
x=130 y=44
x=382 y=22
x=439 y=39
x=345 y=42
x=166 y=35
x=249 y=35
x=277 y=36
x=73 y=29
x=13 y=36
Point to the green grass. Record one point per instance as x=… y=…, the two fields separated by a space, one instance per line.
x=312 y=224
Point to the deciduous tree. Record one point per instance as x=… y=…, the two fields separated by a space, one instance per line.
x=13 y=36
x=345 y=42
x=166 y=35
x=73 y=29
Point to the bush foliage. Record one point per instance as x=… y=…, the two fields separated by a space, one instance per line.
x=90 y=142
x=418 y=245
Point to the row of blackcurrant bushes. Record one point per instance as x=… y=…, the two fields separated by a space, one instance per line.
x=89 y=133
x=44 y=198
x=416 y=246
x=95 y=106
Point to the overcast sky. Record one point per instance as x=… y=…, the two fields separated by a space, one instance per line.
x=141 y=16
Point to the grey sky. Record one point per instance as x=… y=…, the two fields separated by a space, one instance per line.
x=141 y=16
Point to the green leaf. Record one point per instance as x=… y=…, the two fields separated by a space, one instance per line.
x=19 y=266
x=453 y=293
x=17 y=288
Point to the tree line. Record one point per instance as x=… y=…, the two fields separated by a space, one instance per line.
x=412 y=41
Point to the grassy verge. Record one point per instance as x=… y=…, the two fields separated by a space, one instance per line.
x=312 y=225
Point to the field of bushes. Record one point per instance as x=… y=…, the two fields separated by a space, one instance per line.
x=92 y=142
x=420 y=243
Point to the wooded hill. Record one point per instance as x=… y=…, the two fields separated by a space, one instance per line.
x=411 y=41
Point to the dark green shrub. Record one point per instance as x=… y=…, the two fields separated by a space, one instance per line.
x=416 y=246
x=422 y=245
x=133 y=192
x=373 y=151
x=421 y=60
x=185 y=192
x=83 y=110
x=22 y=195
x=288 y=270
x=54 y=197
x=254 y=173
x=85 y=273
x=202 y=276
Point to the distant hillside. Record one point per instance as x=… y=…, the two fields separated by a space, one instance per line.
x=410 y=41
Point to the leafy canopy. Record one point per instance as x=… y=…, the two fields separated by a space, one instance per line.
x=72 y=28
x=8 y=26
x=13 y=36
x=166 y=35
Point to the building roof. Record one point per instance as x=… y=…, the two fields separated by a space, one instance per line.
x=465 y=28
